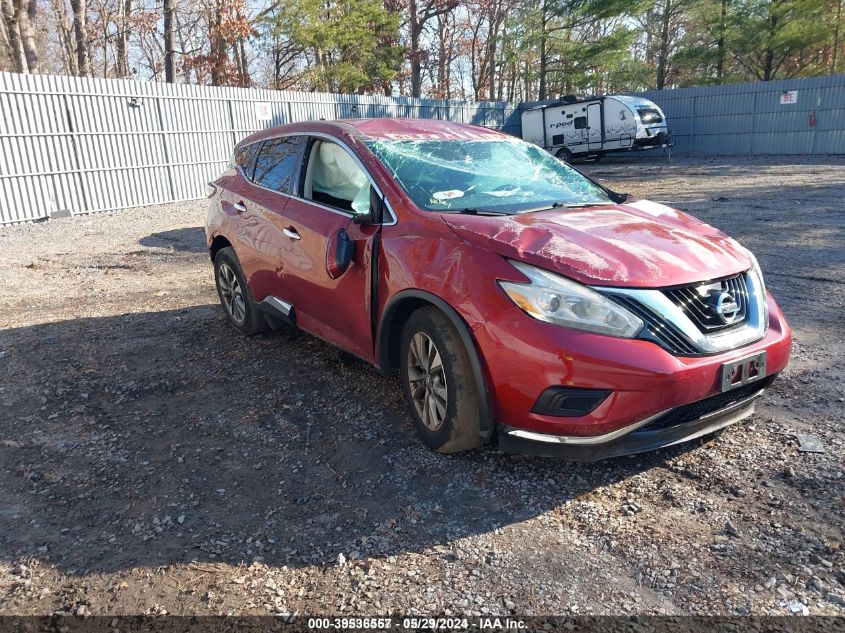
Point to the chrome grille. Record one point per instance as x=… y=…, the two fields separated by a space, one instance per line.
x=681 y=327
x=698 y=302
x=657 y=329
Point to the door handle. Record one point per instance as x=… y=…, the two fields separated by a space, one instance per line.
x=240 y=207
x=292 y=233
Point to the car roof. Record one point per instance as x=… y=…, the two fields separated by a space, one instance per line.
x=413 y=129
x=383 y=129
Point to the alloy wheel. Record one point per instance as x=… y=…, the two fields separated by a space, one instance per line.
x=231 y=293
x=427 y=378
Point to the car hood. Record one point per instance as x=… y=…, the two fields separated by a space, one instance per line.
x=635 y=244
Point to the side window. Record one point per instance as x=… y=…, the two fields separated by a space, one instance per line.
x=334 y=178
x=245 y=158
x=278 y=163
x=580 y=122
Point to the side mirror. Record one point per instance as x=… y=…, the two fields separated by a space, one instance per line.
x=375 y=213
x=341 y=251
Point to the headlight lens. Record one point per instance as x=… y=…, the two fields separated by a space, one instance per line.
x=755 y=270
x=555 y=299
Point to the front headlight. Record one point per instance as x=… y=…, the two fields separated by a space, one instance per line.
x=555 y=299
x=760 y=287
x=755 y=266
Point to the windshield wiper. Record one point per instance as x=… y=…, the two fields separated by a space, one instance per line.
x=475 y=211
x=578 y=205
x=565 y=205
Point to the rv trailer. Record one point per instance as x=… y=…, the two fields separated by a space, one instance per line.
x=593 y=126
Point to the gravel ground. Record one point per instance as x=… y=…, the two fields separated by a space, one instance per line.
x=153 y=461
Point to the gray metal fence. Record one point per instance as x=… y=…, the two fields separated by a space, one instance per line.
x=79 y=145
x=750 y=119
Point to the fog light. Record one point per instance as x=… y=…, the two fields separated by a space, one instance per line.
x=569 y=401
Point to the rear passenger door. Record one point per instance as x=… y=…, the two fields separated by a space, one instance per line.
x=236 y=195
x=276 y=170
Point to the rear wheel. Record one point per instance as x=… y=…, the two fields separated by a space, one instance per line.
x=438 y=384
x=234 y=294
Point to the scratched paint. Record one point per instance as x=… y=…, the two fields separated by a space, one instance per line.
x=561 y=251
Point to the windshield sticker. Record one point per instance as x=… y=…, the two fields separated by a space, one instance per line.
x=447 y=195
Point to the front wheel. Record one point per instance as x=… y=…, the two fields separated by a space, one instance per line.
x=438 y=384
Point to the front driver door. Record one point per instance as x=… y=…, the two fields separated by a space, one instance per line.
x=335 y=309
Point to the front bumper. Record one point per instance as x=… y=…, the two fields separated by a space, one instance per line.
x=661 y=139
x=523 y=357
x=658 y=431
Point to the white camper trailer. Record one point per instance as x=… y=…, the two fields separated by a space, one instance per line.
x=594 y=126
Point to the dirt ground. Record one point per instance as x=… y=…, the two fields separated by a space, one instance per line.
x=151 y=460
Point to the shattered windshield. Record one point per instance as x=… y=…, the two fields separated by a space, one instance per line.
x=498 y=175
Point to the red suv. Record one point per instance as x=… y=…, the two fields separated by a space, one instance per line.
x=521 y=301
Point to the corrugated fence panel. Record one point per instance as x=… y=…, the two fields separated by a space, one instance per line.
x=71 y=144
x=78 y=145
x=740 y=119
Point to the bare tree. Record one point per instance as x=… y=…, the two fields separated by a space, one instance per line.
x=544 y=49
x=219 y=55
x=18 y=29
x=284 y=55
x=27 y=27
x=447 y=52
x=836 y=38
x=64 y=31
x=419 y=14
x=169 y=58
x=720 y=43
x=12 y=35
x=122 y=44
x=488 y=18
x=80 y=25
x=663 y=25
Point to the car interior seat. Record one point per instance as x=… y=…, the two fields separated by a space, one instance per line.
x=334 y=178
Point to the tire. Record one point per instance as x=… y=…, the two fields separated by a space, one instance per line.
x=234 y=294
x=456 y=426
x=565 y=155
